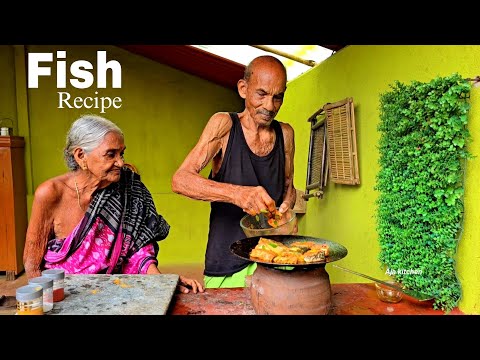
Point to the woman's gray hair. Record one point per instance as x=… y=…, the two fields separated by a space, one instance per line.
x=87 y=132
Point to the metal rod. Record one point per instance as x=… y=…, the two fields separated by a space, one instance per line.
x=475 y=80
x=309 y=164
x=315 y=114
x=314 y=186
x=287 y=55
x=317 y=194
x=324 y=158
x=318 y=124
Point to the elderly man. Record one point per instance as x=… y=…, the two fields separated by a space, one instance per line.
x=252 y=168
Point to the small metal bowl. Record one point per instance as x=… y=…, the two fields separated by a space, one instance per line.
x=388 y=294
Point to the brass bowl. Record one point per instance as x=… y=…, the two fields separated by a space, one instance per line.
x=388 y=294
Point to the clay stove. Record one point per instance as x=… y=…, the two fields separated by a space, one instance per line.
x=302 y=289
x=290 y=292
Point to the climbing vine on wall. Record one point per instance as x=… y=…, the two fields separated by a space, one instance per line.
x=423 y=148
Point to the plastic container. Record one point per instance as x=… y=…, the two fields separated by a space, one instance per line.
x=47 y=285
x=29 y=300
x=58 y=276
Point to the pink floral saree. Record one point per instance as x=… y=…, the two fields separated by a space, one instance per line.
x=118 y=234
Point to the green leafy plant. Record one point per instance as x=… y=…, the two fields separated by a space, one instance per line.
x=422 y=152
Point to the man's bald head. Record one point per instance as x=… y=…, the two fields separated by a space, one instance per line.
x=262 y=63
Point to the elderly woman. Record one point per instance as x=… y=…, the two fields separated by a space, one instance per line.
x=99 y=217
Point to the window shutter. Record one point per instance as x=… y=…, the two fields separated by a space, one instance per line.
x=341 y=142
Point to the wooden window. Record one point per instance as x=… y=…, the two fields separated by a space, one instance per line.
x=341 y=142
x=316 y=168
x=333 y=148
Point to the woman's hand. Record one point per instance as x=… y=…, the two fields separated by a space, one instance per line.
x=186 y=285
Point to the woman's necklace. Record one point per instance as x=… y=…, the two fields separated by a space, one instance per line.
x=78 y=194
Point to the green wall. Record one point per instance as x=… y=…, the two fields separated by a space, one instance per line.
x=346 y=214
x=164 y=111
x=8 y=113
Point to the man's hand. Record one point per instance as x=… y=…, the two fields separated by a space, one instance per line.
x=254 y=199
x=295 y=229
x=284 y=207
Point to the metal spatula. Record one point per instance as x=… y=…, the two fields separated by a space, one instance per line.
x=415 y=294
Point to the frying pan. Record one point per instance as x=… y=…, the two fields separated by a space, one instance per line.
x=243 y=247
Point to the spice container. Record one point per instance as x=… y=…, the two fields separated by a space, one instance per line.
x=47 y=285
x=29 y=300
x=58 y=276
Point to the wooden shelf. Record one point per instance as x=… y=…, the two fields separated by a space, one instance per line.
x=13 y=205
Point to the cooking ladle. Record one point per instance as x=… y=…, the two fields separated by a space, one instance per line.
x=415 y=294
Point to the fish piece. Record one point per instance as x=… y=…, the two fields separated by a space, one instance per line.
x=314 y=256
x=287 y=258
x=271 y=245
x=308 y=244
x=299 y=249
x=262 y=255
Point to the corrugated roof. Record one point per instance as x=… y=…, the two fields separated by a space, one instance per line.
x=197 y=61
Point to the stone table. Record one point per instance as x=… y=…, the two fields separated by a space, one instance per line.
x=103 y=294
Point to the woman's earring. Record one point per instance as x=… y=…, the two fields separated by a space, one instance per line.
x=84 y=167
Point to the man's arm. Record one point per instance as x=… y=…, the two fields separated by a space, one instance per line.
x=188 y=181
x=289 y=193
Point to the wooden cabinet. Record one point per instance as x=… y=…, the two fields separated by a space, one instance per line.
x=13 y=205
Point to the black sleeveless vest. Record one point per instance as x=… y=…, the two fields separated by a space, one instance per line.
x=241 y=166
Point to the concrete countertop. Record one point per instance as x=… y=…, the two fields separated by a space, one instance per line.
x=102 y=294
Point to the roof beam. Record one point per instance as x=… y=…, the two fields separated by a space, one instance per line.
x=285 y=55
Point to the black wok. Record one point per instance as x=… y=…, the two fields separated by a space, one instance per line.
x=243 y=247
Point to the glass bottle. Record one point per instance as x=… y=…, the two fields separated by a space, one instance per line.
x=58 y=276
x=47 y=285
x=29 y=300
